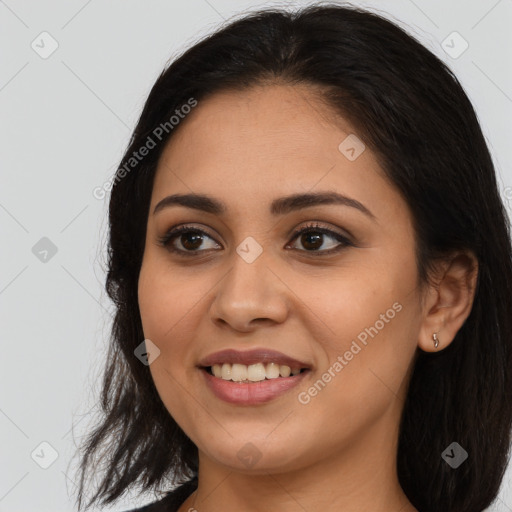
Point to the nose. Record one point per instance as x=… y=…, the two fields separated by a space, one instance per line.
x=250 y=294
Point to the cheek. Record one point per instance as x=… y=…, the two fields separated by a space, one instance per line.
x=363 y=376
x=171 y=305
x=153 y=299
x=357 y=298
x=166 y=312
x=165 y=299
x=370 y=321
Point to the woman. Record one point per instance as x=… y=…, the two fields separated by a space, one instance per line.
x=311 y=266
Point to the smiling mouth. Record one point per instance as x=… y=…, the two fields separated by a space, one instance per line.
x=248 y=374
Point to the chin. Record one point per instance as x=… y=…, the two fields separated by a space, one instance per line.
x=247 y=454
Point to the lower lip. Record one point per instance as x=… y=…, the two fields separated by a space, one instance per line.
x=251 y=393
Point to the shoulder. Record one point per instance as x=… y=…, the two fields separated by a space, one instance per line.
x=172 y=500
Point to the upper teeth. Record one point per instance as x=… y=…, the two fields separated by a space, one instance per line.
x=253 y=372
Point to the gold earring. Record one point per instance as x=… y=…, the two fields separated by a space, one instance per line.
x=436 y=340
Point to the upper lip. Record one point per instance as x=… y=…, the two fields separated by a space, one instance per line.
x=261 y=355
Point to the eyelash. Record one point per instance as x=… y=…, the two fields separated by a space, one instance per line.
x=165 y=240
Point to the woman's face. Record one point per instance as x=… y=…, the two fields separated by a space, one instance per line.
x=342 y=304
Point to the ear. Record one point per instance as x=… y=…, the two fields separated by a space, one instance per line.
x=448 y=300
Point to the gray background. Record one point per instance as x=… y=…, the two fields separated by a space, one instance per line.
x=65 y=121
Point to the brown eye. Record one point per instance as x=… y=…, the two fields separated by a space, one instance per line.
x=191 y=240
x=312 y=238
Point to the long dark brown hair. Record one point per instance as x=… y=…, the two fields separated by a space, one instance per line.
x=413 y=113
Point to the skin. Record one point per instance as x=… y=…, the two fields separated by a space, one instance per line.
x=337 y=452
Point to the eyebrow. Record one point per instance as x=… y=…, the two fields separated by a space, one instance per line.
x=280 y=206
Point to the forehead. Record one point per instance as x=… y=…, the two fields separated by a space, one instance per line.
x=266 y=141
x=265 y=121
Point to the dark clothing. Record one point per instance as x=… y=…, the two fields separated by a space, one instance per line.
x=172 y=500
